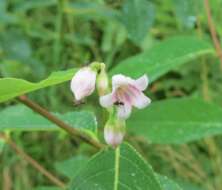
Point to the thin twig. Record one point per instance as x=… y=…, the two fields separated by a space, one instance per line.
x=57 y=47
x=74 y=132
x=213 y=32
x=204 y=68
x=7 y=182
x=32 y=162
x=212 y=147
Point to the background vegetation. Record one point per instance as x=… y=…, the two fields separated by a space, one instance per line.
x=180 y=137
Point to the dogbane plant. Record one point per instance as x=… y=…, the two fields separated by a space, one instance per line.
x=126 y=93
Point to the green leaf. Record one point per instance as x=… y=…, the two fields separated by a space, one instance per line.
x=168 y=184
x=12 y=87
x=47 y=188
x=71 y=166
x=186 y=12
x=137 y=16
x=90 y=10
x=177 y=121
x=164 y=57
x=3 y=5
x=6 y=18
x=189 y=186
x=123 y=169
x=2 y=144
x=15 y=46
x=21 y=118
x=32 y=4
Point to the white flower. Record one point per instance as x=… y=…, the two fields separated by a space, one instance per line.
x=126 y=93
x=83 y=83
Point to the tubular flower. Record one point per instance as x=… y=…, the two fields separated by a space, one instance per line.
x=126 y=92
x=83 y=83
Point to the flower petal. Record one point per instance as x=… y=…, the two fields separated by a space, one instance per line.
x=120 y=80
x=124 y=111
x=113 y=137
x=141 y=101
x=107 y=100
x=83 y=83
x=141 y=83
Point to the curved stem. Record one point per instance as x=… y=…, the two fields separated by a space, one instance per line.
x=213 y=32
x=32 y=162
x=74 y=132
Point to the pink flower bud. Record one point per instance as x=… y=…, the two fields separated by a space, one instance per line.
x=83 y=83
x=114 y=132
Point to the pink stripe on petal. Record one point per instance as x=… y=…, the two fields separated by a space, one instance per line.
x=133 y=91
x=119 y=95
x=127 y=98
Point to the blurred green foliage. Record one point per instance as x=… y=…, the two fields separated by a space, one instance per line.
x=38 y=37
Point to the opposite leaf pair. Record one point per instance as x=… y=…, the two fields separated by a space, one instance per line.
x=126 y=93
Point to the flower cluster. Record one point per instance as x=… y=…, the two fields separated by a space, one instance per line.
x=126 y=93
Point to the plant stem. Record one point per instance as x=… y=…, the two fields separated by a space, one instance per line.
x=116 y=176
x=213 y=32
x=204 y=77
x=7 y=182
x=74 y=132
x=204 y=66
x=32 y=162
x=58 y=41
x=211 y=144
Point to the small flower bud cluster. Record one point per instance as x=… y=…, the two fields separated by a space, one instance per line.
x=126 y=93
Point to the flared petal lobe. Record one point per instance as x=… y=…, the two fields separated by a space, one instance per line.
x=120 y=80
x=141 y=83
x=107 y=100
x=141 y=101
